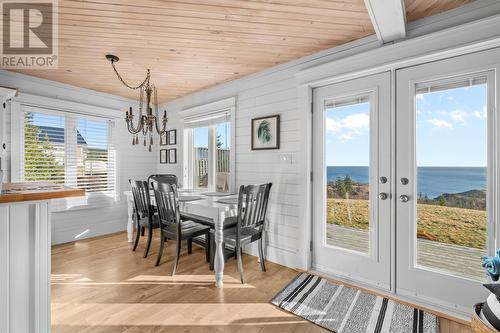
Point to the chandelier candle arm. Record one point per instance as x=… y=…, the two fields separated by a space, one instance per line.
x=163 y=130
x=130 y=124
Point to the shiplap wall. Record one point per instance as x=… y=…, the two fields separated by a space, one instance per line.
x=132 y=162
x=274 y=91
x=277 y=91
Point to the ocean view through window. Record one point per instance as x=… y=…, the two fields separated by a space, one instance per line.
x=451 y=177
x=348 y=143
x=451 y=160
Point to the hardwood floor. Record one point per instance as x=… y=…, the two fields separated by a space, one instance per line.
x=100 y=285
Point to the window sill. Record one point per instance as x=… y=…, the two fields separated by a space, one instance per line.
x=90 y=201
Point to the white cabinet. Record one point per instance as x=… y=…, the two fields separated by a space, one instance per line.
x=25 y=267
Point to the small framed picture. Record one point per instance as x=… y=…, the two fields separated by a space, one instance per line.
x=163 y=156
x=172 y=137
x=172 y=156
x=266 y=133
x=163 y=139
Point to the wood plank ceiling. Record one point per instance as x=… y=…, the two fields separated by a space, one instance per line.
x=193 y=44
x=417 y=9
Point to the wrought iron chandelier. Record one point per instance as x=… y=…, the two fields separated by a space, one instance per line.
x=148 y=122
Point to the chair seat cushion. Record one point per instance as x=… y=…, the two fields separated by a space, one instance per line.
x=229 y=222
x=197 y=218
x=248 y=235
x=189 y=229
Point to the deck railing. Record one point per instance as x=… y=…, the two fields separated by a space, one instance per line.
x=200 y=172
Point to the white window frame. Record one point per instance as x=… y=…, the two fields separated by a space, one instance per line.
x=225 y=106
x=68 y=109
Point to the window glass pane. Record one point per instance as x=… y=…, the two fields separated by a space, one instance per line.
x=347 y=171
x=222 y=154
x=200 y=157
x=44 y=148
x=451 y=158
x=95 y=165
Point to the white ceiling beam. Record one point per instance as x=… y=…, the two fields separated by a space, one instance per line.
x=388 y=19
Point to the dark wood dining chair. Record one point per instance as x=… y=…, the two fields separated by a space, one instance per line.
x=171 y=224
x=144 y=212
x=163 y=178
x=250 y=221
x=173 y=180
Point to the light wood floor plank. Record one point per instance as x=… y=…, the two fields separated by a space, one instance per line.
x=100 y=285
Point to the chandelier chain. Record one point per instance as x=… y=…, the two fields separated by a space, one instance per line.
x=146 y=80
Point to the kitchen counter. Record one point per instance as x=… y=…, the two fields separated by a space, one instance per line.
x=25 y=254
x=28 y=191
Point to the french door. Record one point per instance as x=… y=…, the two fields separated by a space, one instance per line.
x=446 y=178
x=410 y=207
x=352 y=232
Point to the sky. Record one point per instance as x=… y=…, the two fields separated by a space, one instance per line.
x=451 y=130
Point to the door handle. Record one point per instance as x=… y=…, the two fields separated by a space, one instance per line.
x=383 y=196
x=404 y=198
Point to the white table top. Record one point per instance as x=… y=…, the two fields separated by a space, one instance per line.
x=208 y=205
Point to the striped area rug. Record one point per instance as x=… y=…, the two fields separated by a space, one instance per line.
x=342 y=309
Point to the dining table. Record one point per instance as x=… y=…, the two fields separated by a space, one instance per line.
x=214 y=205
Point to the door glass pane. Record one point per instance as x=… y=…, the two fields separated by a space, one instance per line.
x=200 y=157
x=347 y=172
x=451 y=158
x=222 y=155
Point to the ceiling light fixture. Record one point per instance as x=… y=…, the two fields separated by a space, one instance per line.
x=148 y=122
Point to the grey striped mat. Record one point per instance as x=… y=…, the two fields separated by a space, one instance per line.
x=346 y=310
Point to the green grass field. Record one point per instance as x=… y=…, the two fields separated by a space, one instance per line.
x=459 y=226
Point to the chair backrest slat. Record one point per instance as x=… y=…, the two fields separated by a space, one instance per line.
x=142 y=200
x=163 y=178
x=252 y=205
x=167 y=203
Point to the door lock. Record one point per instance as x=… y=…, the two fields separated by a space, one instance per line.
x=404 y=198
x=383 y=180
x=382 y=196
x=404 y=181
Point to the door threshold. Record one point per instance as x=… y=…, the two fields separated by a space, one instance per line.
x=439 y=311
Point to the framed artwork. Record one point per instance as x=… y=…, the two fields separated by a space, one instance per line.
x=172 y=137
x=266 y=133
x=163 y=139
x=172 y=156
x=163 y=156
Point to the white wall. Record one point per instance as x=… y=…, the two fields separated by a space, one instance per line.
x=132 y=162
x=279 y=91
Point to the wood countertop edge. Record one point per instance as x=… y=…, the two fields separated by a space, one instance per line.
x=34 y=195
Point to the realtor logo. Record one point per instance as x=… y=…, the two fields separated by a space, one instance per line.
x=29 y=34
